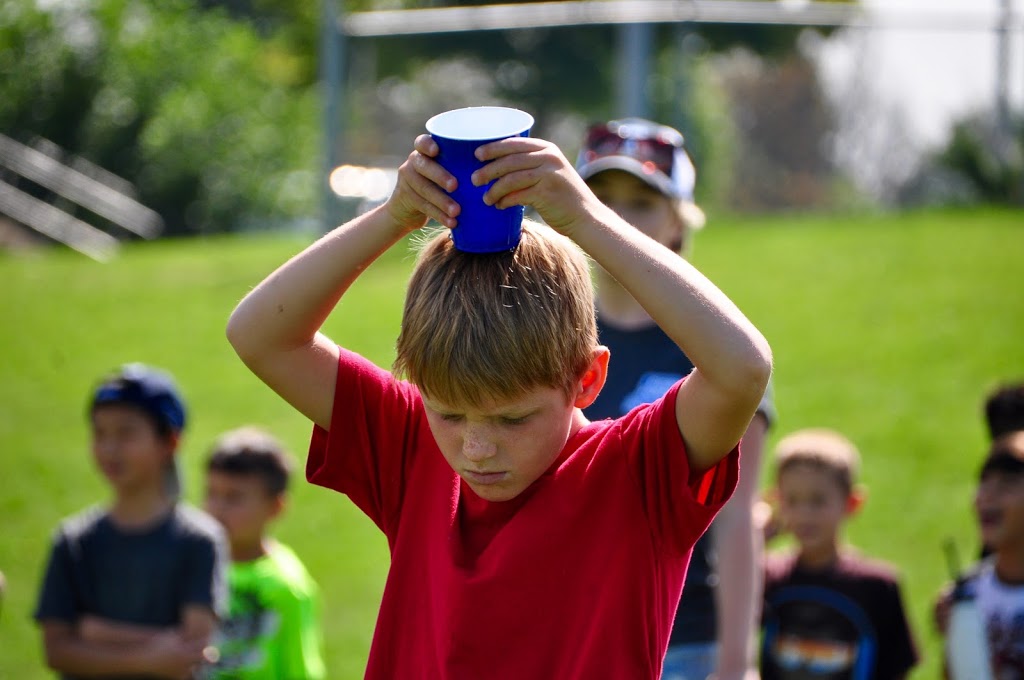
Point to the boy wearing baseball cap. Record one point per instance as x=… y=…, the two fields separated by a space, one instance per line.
x=134 y=589
x=641 y=170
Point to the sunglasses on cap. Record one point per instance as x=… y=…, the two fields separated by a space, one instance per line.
x=653 y=145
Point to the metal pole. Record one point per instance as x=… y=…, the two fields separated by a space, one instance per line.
x=1003 y=65
x=331 y=69
x=634 y=63
x=680 y=110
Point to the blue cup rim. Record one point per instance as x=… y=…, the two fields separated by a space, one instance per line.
x=480 y=123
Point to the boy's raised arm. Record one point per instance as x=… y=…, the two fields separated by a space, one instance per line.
x=732 y=358
x=275 y=328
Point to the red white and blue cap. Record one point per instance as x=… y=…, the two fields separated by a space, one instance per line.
x=649 y=151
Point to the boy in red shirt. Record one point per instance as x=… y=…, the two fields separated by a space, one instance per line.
x=526 y=542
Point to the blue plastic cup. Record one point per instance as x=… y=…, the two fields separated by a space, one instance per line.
x=481 y=228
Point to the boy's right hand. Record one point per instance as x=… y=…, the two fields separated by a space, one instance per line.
x=766 y=519
x=173 y=656
x=420 y=192
x=942 y=607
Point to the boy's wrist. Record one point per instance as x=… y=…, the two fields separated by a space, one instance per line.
x=396 y=225
x=586 y=222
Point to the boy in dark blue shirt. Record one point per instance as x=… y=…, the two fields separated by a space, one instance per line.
x=134 y=589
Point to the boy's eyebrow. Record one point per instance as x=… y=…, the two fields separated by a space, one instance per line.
x=513 y=411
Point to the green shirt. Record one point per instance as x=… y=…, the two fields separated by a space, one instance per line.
x=273 y=629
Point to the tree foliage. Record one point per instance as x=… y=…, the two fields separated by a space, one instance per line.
x=215 y=123
x=555 y=68
x=983 y=161
x=211 y=106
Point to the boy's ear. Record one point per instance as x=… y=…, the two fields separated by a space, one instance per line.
x=855 y=501
x=593 y=378
x=173 y=441
x=277 y=505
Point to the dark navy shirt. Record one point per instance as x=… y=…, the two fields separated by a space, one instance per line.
x=144 y=577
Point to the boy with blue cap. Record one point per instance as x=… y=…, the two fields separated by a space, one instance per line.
x=134 y=589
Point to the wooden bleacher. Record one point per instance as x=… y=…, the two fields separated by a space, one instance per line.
x=79 y=182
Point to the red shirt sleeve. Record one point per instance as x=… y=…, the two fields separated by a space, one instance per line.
x=376 y=421
x=680 y=502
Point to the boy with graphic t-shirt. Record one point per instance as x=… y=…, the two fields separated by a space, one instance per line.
x=526 y=542
x=272 y=631
x=828 y=612
x=997 y=583
x=134 y=590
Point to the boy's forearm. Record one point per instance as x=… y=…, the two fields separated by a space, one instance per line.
x=99 y=630
x=73 y=655
x=163 y=652
x=712 y=331
x=274 y=330
x=737 y=613
x=198 y=623
x=740 y=549
x=286 y=310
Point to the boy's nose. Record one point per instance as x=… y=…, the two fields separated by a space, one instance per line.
x=476 y=447
x=104 y=448
x=211 y=506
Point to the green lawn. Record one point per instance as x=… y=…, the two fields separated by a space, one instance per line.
x=890 y=329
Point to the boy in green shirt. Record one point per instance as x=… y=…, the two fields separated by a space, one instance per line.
x=273 y=629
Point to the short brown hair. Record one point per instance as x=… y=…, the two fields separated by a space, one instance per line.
x=479 y=326
x=821 y=448
x=1004 y=409
x=1005 y=454
x=250 y=451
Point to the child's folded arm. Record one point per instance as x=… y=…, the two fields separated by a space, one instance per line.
x=164 y=653
x=98 y=629
x=197 y=623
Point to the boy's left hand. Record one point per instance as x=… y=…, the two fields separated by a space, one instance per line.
x=766 y=519
x=534 y=172
x=942 y=607
x=420 y=190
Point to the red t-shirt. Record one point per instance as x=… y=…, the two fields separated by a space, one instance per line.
x=577 y=577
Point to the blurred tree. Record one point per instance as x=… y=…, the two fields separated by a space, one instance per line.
x=556 y=68
x=216 y=124
x=782 y=121
x=210 y=106
x=567 y=74
x=983 y=161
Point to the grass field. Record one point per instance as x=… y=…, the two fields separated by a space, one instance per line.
x=890 y=329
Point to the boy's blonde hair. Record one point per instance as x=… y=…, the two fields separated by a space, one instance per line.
x=823 y=449
x=496 y=325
